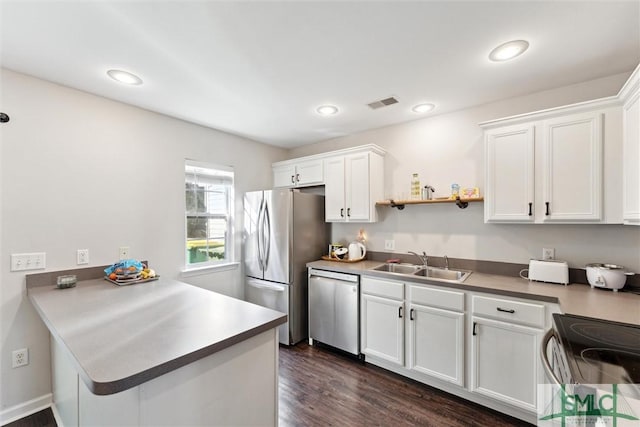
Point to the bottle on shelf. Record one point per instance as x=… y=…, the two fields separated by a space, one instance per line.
x=415 y=187
x=455 y=191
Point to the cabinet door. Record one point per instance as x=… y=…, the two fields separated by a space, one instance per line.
x=509 y=174
x=358 y=196
x=631 y=160
x=505 y=362
x=382 y=328
x=309 y=173
x=436 y=343
x=284 y=176
x=572 y=168
x=334 y=197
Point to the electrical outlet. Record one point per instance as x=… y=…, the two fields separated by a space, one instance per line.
x=124 y=252
x=82 y=256
x=31 y=261
x=548 y=253
x=20 y=358
x=389 y=245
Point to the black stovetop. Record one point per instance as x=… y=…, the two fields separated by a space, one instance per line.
x=599 y=351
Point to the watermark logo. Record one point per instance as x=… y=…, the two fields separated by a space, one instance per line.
x=588 y=405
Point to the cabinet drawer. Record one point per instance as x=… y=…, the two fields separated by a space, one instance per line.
x=436 y=298
x=511 y=311
x=382 y=288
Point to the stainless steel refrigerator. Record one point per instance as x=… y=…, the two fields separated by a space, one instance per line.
x=284 y=229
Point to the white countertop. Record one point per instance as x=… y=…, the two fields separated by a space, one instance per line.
x=574 y=298
x=122 y=336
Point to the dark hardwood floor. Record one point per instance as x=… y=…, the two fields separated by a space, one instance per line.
x=43 y=418
x=319 y=387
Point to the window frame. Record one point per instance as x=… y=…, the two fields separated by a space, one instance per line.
x=190 y=176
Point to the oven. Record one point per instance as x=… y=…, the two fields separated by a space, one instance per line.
x=584 y=350
x=594 y=370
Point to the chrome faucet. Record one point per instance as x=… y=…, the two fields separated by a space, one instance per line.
x=422 y=257
x=446 y=262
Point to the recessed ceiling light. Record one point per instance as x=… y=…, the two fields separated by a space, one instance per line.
x=508 y=50
x=124 y=77
x=327 y=110
x=423 y=108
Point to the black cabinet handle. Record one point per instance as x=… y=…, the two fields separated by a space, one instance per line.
x=411 y=314
x=293 y=180
x=298 y=177
x=504 y=310
x=530 y=206
x=547 y=212
x=342 y=213
x=400 y=312
x=474 y=328
x=349 y=212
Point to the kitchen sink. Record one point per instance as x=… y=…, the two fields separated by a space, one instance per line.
x=399 y=268
x=435 y=273
x=443 y=274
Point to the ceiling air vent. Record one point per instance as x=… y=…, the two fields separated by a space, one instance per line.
x=383 y=103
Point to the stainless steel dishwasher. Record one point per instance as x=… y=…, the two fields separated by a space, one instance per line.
x=334 y=310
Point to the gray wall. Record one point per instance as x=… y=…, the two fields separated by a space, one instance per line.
x=82 y=172
x=448 y=148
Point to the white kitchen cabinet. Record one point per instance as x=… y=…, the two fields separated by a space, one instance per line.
x=479 y=346
x=505 y=346
x=572 y=168
x=298 y=173
x=509 y=174
x=504 y=360
x=353 y=184
x=334 y=189
x=382 y=319
x=435 y=334
x=631 y=150
x=549 y=166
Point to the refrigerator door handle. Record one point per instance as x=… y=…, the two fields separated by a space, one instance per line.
x=259 y=234
x=267 y=234
x=276 y=288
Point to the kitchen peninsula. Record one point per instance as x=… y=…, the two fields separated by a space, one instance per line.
x=157 y=353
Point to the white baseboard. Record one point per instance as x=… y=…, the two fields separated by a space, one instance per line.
x=56 y=415
x=24 y=409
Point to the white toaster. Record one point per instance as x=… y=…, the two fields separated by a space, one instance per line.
x=551 y=271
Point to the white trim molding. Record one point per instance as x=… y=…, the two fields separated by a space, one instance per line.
x=25 y=409
x=211 y=268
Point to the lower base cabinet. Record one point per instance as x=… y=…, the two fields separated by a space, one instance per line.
x=504 y=362
x=423 y=332
x=435 y=333
x=382 y=322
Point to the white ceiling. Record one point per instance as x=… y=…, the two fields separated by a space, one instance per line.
x=259 y=69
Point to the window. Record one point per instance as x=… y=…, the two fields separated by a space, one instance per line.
x=208 y=219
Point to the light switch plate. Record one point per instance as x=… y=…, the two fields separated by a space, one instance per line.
x=28 y=261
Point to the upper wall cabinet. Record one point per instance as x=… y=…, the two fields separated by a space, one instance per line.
x=572 y=168
x=353 y=180
x=509 y=174
x=298 y=173
x=353 y=184
x=548 y=167
x=630 y=94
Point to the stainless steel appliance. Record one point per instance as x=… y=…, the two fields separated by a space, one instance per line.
x=334 y=309
x=583 y=350
x=283 y=230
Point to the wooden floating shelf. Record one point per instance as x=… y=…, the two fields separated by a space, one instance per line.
x=400 y=204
